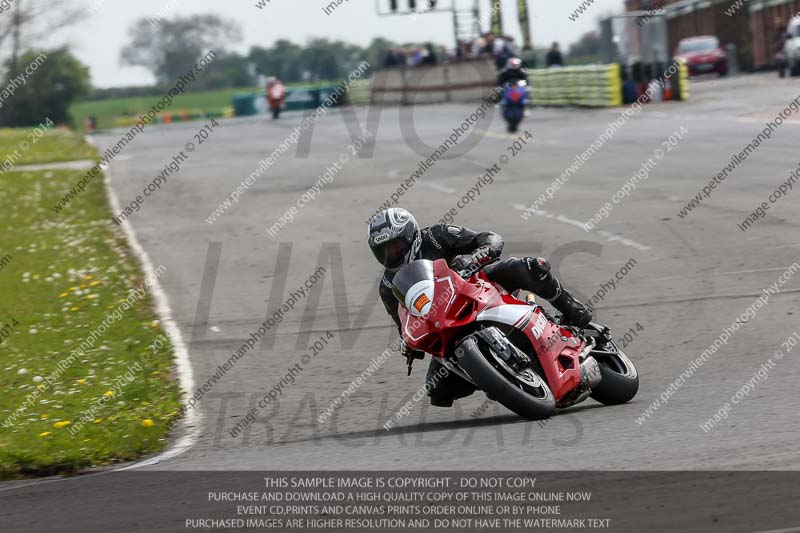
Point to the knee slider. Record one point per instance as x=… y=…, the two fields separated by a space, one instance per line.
x=539 y=267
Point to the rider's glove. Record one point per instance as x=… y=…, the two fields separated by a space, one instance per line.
x=481 y=256
x=461 y=263
x=411 y=353
x=473 y=262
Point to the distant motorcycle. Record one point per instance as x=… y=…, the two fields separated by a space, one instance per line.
x=515 y=102
x=511 y=349
x=276 y=96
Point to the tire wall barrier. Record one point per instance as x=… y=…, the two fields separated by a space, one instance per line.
x=590 y=85
x=683 y=81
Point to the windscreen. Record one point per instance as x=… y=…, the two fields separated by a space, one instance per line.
x=700 y=45
x=413 y=286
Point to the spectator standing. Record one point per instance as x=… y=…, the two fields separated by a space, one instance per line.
x=500 y=52
x=554 y=57
x=488 y=47
x=477 y=47
x=393 y=58
x=428 y=55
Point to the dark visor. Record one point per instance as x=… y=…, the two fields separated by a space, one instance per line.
x=391 y=254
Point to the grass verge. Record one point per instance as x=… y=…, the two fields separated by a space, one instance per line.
x=106 y=110
x=56 y=145
x=68 y=328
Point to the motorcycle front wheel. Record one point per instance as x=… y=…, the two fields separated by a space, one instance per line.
x=523 y=393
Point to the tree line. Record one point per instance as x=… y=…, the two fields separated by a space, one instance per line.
x=168 y=48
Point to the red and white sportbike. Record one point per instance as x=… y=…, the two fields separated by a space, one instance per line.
x=511 y=349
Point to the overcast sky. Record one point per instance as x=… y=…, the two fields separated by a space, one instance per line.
x=98 y=39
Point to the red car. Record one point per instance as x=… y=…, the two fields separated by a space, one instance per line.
x=703 y=55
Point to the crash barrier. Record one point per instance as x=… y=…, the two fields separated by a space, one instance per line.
x=590 y=85
x=603 y=86
x=185 y=115
x=469 y=81
x=465 y=81
x=683 y=80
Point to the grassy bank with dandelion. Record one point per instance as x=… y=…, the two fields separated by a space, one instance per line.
x=86 y=371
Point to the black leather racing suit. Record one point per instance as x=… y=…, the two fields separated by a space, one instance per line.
x=532 y=274
x=510 y=75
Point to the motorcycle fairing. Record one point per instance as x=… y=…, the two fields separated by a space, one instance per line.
x=458 y=304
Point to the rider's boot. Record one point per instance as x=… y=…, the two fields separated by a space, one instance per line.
x=575 y=313
x=445 y=387
x=547 y=285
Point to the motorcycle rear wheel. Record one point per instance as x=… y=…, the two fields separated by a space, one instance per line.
x=500 y=386
x=619 y=381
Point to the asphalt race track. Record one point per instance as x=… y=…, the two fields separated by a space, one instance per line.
x=691 y=278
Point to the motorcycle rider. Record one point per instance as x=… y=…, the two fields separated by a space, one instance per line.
x=396 y=239
x=512 y=72
x=276 y=95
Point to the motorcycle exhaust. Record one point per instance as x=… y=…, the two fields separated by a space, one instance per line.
x=590 y=372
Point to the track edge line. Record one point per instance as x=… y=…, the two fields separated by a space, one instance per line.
x=192 y=419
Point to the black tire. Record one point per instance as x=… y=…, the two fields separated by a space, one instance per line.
x=620 y=380
x=499 y=388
